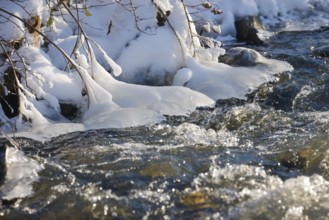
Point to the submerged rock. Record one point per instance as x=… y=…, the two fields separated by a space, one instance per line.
x=297 y=160
x=247 y=30
x=311 y=159
x=159 y=169
x=321 y=51
x=198 y=199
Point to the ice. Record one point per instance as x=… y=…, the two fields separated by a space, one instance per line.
x=48 y=131
x=22 y=171
x=99 y=117
x=220 y=81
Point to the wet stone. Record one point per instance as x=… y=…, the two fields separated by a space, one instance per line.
x=321 y=51
x=69 y=111
x=297 y=160
x=241 y=56
x=281 y=97
x=247 y=30
x=197 y=198
x=311 y=159
x=158 y=169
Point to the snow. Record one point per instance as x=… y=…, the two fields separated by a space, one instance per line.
x=221 y=81
x=149 y=58
x=44 y=75
x=182 y=76
x=15 y=29
x=130 y=71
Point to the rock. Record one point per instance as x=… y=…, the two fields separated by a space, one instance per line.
x=297 y=160
x=240 y=56
x=69 y=111
x=9 y=100
x=158 y=169
x=200 y=199
x=321 y=51
x=247 y=30
x=237 y=118
x=312 y=158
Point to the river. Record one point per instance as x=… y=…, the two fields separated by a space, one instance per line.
x=265 y=157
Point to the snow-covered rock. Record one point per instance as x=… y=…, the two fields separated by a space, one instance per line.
x=132 y=54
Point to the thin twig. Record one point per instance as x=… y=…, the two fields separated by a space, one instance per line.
x=189 y=27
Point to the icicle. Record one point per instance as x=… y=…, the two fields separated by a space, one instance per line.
x=115 y=67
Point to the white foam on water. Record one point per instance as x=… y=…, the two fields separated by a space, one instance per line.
x=192 y=134
x=258 y=191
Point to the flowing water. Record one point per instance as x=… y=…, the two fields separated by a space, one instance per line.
x=266 y=157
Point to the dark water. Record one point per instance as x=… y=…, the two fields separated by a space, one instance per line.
x=266 y=157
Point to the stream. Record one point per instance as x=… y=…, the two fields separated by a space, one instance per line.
x=265 y=157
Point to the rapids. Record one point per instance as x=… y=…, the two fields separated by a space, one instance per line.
x=265 y=157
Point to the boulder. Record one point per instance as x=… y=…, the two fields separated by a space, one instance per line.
x=248 y=29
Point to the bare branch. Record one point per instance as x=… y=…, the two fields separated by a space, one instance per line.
x=189 y=27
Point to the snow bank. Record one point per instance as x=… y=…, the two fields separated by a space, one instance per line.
x=15 y=29
x=111 y=103
x=149 y=43
x=221 y=81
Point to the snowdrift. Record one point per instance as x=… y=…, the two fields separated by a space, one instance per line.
x=121 y=64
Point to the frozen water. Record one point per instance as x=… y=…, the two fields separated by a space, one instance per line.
x=22 y=172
